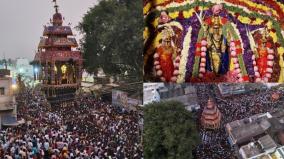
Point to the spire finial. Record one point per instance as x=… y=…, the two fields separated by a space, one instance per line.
x=55 y=6
x=5 y=61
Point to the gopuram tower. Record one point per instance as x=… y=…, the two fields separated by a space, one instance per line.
x=58 y=62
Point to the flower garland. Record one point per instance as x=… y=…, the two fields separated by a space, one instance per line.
x=253 y=6
x=201 y=49
x=146 y=8
x=235 y=10
x=237 y=53
x=197 y=71
x=184 y=55
x=165 y=6
x=146 y=34
x=276 y=8
x=159 y=71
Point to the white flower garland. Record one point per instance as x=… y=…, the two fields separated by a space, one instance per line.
x=184 y=56
x=171 y=24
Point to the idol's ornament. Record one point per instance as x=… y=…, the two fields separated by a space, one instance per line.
x=214 y=41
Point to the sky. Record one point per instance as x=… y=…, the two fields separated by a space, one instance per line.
x=22 y=21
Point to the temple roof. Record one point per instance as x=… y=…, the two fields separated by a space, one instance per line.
x=51 y=56
x=57 y=42
x=57 y=30
x=55 y=38
x=57 y=17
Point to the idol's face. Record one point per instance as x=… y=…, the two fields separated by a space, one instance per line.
x=164 y=18
x=216 y=9
x=168 y=42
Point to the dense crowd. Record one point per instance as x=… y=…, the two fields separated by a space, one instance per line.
x=86 y=128
x=215 y=142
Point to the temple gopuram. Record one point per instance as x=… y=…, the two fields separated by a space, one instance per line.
x=211 y=116
x=58 y=62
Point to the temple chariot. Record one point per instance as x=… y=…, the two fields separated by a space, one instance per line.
x=58 y=61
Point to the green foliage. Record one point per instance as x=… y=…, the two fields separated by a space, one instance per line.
x=113 y=37
x=8 y=62
x=169 y=131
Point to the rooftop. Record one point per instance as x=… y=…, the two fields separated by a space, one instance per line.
x=257 y=135
x=4 y=72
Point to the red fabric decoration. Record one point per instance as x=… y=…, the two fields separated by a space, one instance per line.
x=166 y=63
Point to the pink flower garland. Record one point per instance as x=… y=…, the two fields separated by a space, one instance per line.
x=233 y=52
x=159 y=71
x=202 y=64
x=234 y=56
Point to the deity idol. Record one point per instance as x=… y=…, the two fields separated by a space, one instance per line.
x=216 y=58
x=166 y=53
x=264 y=58
x=218 y=55
x=166 y=58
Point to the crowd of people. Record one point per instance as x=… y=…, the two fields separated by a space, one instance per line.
x=235 y=107
x=86 y=128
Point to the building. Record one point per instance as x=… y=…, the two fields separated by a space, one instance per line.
x=227 y=89
x=87 y=77
x=150 y=92
x=124 y=100
x=23 y=67
x=58 y=63
x=184 y=93
x=259 y=136
x=8 y=109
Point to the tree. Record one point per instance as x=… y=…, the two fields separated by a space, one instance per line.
x=169 y=131
x=113 y=37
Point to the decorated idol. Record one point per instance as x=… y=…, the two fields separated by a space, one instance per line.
x=166 y=57
x=214 y=41
x=218 y=51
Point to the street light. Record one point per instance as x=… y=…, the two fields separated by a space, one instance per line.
x=14 y=86
x=36 y=70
